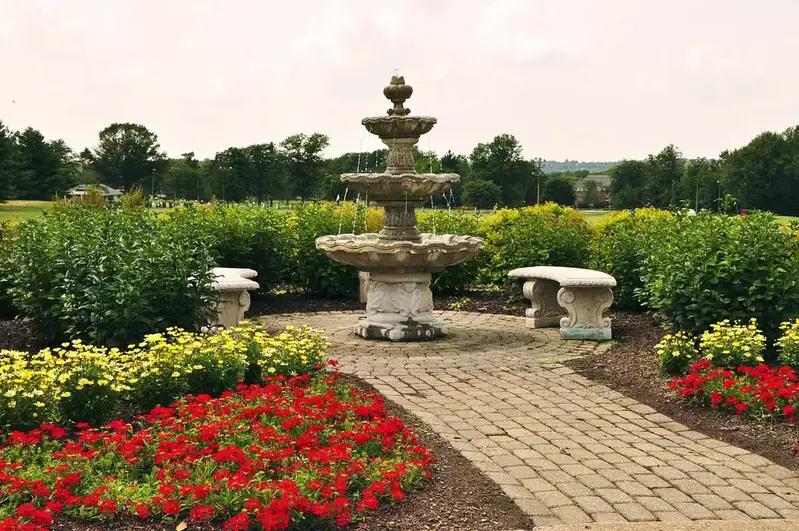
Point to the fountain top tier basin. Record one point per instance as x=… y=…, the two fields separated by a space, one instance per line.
x=369 y=252
x=415 y=187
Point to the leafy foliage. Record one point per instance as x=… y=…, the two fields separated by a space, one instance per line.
x=676 y=353
x=707 y=268
x=481 y=194
x=456 y=278
x=623 y=241
x=733 y=344
x=108 y=276
x=539 y=235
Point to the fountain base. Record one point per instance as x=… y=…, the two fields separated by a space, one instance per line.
x=399 y=307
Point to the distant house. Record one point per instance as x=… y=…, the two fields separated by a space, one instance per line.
x=111 y=194
x=603 y=189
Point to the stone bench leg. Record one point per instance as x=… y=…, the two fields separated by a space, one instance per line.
x=231 y=307
x=543 y=295
x=585 y=307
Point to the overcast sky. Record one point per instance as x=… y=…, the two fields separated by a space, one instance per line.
x=577 y=79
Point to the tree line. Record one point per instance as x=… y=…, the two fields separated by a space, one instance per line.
x=763 y=174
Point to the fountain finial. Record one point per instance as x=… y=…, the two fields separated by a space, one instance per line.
x=397 y=91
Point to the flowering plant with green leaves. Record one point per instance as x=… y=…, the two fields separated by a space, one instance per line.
x=788 y=344
x=676 y=353
x=729 y=344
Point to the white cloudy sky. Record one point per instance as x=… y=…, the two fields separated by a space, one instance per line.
x=579 y=79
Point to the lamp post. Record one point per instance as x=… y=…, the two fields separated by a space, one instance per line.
x=538 y=182
x=718 y=208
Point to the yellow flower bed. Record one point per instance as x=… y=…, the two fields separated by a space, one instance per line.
x=78 y=382
x=732 y=345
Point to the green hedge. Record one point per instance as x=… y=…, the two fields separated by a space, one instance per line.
x=108 y=276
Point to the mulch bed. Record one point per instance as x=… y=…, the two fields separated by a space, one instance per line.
x=630 y=367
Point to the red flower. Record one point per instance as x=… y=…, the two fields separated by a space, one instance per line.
x=142 y=510
x=240 y=522
x=172 y=507
x=201 y=512
x=789 y=411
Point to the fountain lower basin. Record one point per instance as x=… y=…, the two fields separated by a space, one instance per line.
x=399 y=303
x=369 y=252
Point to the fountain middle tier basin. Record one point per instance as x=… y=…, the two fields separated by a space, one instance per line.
x=414 y=187
x=369 y=252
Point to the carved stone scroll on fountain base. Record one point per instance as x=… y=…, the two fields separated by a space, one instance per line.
x=399 y=308
x=543 y=294
x=585 y=306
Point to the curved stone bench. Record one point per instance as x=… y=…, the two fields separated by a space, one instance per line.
x=570 y=297
x=233 y=285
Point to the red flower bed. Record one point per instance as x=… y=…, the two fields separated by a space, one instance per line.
x=305 y=452
x=761 y=391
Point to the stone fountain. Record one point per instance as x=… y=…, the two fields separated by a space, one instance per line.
x=400 y=259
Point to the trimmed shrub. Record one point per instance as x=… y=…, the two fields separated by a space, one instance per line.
x=545 y=234
x=707 y=268
x=623 y=241
x=459 y=277
x=311 y=270
x=8 y=231
x=109 y=277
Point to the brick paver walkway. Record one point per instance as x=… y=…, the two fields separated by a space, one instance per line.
x=565 y=449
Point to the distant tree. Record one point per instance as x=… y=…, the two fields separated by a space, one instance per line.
x=266 y=165
x=663 y=173
x=230 y=170
x=43 y=169
x=452 y=163
x=590 y=193
x=628 y=184
x=699 y=183
x=182 y=177
x=8 y=150
x=560 y=190
x=128 y=155
x=500 y=161
x=303 y=156
x=481 y=194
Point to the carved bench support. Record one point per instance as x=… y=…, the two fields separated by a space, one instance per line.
x=585 y=307
x=546 y=311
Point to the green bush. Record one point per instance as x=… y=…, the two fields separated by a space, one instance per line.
x=708 y=267
x=240 y=235
x=539 y=235
x=311 y=269
x=8 y=231
x=109 y=277
x=676 y=353
x=623 y=241
x=459 y=277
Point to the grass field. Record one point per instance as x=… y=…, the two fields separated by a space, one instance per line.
x=19 y=210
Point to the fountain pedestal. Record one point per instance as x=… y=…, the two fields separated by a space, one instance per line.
x=399 y=307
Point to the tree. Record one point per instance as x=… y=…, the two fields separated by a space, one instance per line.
x=560 y=190
x=8 y=149
x=229 y=171
x=628 y=184
x=303 y=156
x=699 y=183
x=452 y=163
x=265 y=170
x=182 y=178
x=663 y=172
x=481 y=194
x=43 y=169
x=500 y=161
x=590 y=193
x=128 y=155
x=758 y=174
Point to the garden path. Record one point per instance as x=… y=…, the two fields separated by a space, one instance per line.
x=565 y=449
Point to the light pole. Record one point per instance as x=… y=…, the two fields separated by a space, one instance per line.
x=538 y=182
x=718 y=208
x=696 y=204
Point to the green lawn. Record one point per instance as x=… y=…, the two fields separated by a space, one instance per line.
x=19 y=210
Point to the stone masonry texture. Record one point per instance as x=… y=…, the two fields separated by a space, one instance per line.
x=565 y=449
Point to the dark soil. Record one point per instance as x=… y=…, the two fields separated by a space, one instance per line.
x=17 y=335
x=630 y=367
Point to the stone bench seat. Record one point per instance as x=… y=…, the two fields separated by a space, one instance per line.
x=233 y=285
x=570 y=297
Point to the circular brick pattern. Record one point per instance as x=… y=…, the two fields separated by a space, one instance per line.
x=565 y=449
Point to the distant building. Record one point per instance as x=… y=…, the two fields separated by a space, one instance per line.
x=603 y=190
x=111 y=194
